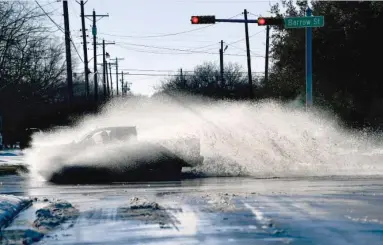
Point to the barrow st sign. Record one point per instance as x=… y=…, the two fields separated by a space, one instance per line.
x=302 y=22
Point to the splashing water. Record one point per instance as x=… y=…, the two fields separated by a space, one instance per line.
x=263 y=139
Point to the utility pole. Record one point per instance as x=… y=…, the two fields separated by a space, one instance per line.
x=85 y=49
x=122 y=84
x=111 y=80
x=182 y=79
x=68 y=54
x=117 y=74
x=94 y=32
x=116 y=64
x=221 y=61
x=107 y=78
x=248 y=55
x=267 y=54
x=104 y=65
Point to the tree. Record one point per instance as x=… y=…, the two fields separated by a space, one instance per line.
x=205 y=81
x=32 y=67
x=346 y=76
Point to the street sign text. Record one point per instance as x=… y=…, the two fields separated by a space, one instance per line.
x=302 y=22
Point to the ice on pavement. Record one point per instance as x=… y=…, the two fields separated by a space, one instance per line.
x=10 y=206
x=11 y=157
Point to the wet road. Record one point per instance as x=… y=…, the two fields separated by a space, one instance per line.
x=218 y=211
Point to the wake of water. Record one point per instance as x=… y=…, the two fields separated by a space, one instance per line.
x=263 y=139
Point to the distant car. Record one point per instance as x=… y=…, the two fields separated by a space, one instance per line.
x=141 y=160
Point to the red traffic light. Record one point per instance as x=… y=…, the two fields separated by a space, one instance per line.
x=202 y=19
x=195 y=20
x=270 y=21
x=261 y=21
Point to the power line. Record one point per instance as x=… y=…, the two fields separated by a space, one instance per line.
x=164 y=35
x=59 y=27
x=159 y=70
x=75 y=48
x=242 y=39
x=242 y=49
x=184 y=51
x=174 y=71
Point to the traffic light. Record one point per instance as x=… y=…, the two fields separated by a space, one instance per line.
x=270 y=21
x=203 y=19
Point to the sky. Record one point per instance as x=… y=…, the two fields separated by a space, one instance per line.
x=156 y=38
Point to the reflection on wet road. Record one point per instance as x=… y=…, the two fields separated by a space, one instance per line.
x=217 y=211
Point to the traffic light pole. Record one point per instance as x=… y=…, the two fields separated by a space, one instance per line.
x=307 y=22
x=309 y=71
x=236 y=21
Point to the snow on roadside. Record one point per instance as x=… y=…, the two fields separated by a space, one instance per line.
x=149 y=212
x=10 y=206
x=47 y=219
x=53 y=215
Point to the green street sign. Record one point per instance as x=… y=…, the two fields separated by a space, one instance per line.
x=302 y=22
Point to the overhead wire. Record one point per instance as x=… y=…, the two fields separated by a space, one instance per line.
x=42 y=9
x=164 y=35
x=242 y=39
x=60 y=28
x=180 y=51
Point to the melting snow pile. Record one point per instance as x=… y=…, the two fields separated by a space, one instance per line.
x=55 y=214
x=147 y=212
x=10 y=206
x=47 y=219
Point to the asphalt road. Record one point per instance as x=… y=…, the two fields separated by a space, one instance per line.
x=333 y=210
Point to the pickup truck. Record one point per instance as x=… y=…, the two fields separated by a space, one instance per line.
x=162 y=160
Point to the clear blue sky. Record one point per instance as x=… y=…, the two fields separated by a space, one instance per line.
x=130 y=22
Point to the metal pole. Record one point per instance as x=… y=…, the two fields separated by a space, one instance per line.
x=309 y=89
x=248 y=56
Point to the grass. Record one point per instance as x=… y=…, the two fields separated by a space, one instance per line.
x=12 y=169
